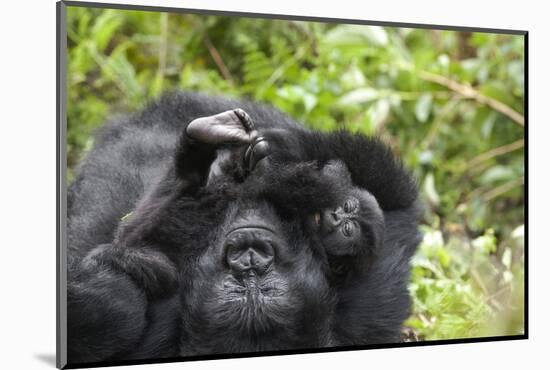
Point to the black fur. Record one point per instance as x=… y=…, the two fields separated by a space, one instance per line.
x=155 y=284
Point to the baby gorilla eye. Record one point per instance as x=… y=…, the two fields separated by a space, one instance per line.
x=350 y=205
x=347 y=229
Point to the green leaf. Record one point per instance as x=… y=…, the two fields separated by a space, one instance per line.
x=488 y=124
x=518 y=232
x=353 y=78
x=347 y=34
x=123 y=73
x=359 y=96
x=423 y=107
x=104 y=28
x=379 y=112
x=429 y=189
x=156 y=86
x=297 y=94
x=486 y=243
x=426 y=157
x=498 y=173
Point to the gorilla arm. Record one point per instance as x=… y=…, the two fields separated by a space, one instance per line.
x=370 y=162
x=119 y=294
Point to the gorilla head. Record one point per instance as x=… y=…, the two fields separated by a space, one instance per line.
x=355 y=224
x=260 y=280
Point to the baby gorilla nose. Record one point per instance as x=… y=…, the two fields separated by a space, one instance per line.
x=249 y=251
x=332 y=218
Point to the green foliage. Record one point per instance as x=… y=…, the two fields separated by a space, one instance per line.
x=449 y=103
x=459 y=286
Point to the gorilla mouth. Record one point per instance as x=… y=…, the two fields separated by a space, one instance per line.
x=253 y=289
x=315 y=222
x=317 y=218
x=252 y=305
x=321 y=223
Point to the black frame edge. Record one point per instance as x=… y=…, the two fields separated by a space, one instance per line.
x=61 y=194
x=152 y=8
x=295 y=352
x=526 y=186
x=61 y=281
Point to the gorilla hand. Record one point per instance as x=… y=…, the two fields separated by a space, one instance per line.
x=151 y=270
x=106 y=311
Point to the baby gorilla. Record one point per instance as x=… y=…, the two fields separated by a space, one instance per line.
x=353 y=229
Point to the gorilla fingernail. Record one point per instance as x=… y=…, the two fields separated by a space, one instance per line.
x=245 y=119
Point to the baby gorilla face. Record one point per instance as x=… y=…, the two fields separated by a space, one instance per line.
x=355 y=224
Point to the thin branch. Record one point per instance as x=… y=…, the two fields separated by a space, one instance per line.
x=163 y=46
x=496 y=152
x=414 y=95
x=281 y=70
x=501 y=189
x=439 y=120
x=480 y=167
x=493 y=296
x=105 y=67
x=218 y=60
x=471 y=93
x=479 y=281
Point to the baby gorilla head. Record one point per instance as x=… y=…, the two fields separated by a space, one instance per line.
x=353 y=226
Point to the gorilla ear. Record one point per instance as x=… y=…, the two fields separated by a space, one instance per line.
x=372 y=220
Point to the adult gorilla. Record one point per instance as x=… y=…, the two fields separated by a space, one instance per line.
x=179 y=247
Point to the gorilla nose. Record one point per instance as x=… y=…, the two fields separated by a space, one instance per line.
x=249 y=249
x=332 y=218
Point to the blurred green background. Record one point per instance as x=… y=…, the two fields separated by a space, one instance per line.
x=449 y=103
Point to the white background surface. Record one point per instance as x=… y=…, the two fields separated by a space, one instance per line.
x=27 y=182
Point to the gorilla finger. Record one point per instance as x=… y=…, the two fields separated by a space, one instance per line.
x=245 y=119
x=150 y=269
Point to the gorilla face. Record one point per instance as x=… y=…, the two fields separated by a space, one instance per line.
x=261 y=281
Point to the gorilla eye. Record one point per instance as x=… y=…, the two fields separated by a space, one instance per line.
x=347 y=229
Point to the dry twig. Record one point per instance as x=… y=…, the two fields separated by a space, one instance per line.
x=496 y=152
x=218 y=60
x=504 y=188
x=163 y=47
x=471 y=93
